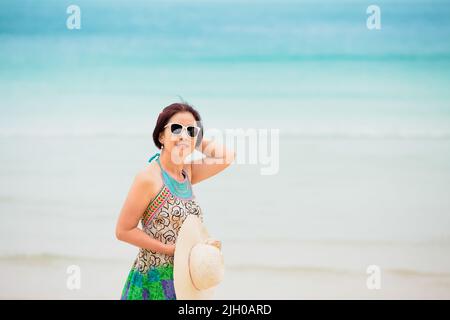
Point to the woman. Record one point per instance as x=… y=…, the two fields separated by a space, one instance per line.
x=167 y=183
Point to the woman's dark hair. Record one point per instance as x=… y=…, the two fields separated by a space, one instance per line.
x=168 y=112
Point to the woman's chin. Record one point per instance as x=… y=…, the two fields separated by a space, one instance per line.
x=183 y=150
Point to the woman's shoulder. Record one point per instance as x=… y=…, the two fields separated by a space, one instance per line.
x=149 y=178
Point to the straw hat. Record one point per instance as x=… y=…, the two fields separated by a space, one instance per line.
x=198 y=262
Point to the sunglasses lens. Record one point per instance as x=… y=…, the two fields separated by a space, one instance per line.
x=193 y=131
x=176 y=128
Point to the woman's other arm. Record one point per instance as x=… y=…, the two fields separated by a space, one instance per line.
x=135 y=204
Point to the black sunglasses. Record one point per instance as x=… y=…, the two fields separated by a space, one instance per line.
x=177 y=129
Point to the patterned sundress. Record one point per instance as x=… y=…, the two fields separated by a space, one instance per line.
x=151 y=275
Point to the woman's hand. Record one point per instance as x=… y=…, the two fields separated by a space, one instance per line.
x=169 y=249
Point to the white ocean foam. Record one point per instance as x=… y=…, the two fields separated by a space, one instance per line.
x=295 y=133
x=45 y=258
x=368 y=133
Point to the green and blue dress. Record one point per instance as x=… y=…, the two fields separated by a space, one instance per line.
x=151 y=274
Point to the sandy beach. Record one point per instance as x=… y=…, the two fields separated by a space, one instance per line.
x=246 y=277
x=100 y=281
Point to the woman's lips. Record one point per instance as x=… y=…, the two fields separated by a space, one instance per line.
x=182 y=145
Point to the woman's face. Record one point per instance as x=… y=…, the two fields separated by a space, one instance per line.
x=181 y=145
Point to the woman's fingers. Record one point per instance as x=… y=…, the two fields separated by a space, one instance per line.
x=214 y=242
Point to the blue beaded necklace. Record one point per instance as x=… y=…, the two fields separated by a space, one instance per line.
x=180 y=189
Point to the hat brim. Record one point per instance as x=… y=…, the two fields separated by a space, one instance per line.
x=191 y=232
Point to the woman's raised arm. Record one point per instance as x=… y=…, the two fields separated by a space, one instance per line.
x=218 y=157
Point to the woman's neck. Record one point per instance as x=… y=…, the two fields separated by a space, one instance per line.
x=170 y=166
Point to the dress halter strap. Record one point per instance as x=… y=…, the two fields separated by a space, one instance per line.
x=157 y=156
x=154 y=156
x=181 y=189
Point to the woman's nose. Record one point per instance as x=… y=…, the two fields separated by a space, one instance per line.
x=184 y=135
